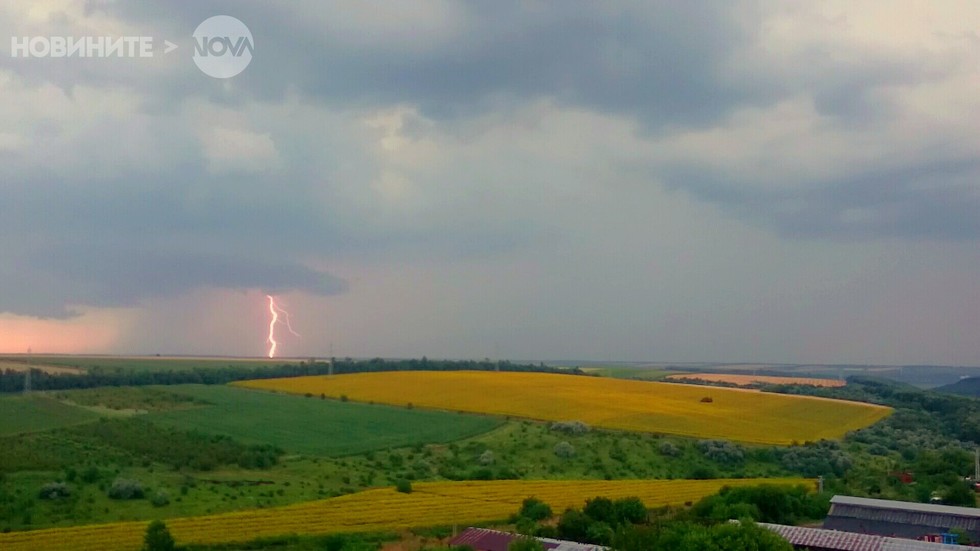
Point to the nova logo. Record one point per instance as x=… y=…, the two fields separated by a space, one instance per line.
x=222 y=46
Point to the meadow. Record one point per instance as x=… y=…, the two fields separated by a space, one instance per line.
x=311 y=425
x=33 y=413
x=429 y=504
x=652 y=407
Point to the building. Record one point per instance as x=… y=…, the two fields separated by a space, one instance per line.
x=484 y=539
x=900 y=519
x=820 y=539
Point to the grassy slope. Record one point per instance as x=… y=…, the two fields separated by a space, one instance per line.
x=740 y=415
x=36 y=413
x=315 y=426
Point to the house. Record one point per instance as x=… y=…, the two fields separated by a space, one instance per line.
x=821 y=539
x=900 y=519
x=484 y=539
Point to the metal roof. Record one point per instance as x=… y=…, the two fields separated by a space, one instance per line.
x=495 y=540
x=849 y=541
x=906 y=506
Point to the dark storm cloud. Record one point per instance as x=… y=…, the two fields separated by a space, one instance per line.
x=92 y=275
x=663 y=62
x=920 y=200
x=665 y=67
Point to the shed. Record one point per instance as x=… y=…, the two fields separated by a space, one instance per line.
x=899 y=518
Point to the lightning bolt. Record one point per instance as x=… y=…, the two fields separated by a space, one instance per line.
x=272 y=326
x=274 y=311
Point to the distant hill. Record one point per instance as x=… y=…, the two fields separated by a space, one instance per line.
x=968 y=386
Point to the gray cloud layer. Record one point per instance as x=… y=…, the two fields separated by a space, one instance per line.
x=462 y=131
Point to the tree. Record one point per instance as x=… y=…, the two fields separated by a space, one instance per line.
x=600 y=509
x=630 y=510
x=158 y=537
x=535 y=509
x=574 y=525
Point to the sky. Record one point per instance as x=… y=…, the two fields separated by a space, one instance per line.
x=653 y=181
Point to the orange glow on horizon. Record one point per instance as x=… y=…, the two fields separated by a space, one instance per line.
x=92 y=332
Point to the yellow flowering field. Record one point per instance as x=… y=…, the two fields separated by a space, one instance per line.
x=668 y=408
x=381 y=509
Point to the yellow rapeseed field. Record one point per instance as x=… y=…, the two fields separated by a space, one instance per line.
x=430 y=504
x=668 y=408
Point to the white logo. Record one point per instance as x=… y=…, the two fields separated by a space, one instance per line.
x=222 y=46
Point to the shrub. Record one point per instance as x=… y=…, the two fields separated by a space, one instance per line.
x=55 y=490
x=160 y=499
x=404 y=486
x=125 y=489
x=668 y=449
x=722 y=451
x=564 y=450
x=535 y=509
x=570 y=427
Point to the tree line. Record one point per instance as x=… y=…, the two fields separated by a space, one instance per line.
x=13 y=381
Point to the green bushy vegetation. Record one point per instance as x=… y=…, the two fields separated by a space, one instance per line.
x=128 y=398
x=627 y=525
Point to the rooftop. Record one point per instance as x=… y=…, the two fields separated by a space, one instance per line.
x=484 y=539
x=848 y=541
x=906 y=506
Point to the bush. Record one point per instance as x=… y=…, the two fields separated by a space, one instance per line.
x=570 y=427
x=160 y=499
x=630 y=510
x=55 y=490
x=125 y=489
x=722 y=451
x=535 y=509
x=564 y=450
x=404 y=486
x=486 y=458
x=668 y=449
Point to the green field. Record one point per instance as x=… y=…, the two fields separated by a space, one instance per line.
x=314 y=426
x=146 y=363
x=643 y=373
x=34 y=413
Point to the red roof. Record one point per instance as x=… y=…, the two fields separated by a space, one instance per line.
x=820 y=538
x=484 y=539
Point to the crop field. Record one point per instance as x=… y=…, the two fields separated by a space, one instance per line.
x=430 y=504
x=36 y=413
x=746 y=380
x=314 y=426
x=667 y=408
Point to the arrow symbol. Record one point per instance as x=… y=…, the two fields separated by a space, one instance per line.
x=168 y=46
